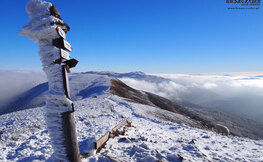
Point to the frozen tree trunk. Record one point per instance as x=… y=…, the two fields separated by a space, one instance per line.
x=59 y=108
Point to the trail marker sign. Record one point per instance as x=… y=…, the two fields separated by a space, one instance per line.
x=64 y=54
x=61 y=32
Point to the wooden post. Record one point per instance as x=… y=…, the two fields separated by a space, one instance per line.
x=69 y=128
x=103 y=139
x=71 y=142
x=124 y=122
x=100 y=142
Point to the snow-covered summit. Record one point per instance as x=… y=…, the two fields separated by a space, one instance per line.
x=91 y=84
x=152 y=137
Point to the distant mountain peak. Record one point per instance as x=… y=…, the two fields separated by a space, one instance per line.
x=137 y=73
x=110 y=73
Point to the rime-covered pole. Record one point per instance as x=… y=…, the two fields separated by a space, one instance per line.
x=48 y=30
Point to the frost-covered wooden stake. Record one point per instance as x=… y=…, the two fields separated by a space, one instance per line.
x=48 y=30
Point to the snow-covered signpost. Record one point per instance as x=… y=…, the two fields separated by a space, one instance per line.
x=48 y=30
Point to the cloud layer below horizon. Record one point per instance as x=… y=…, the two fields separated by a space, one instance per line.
x=241 y=93
x=13 y=83
x=238 y=92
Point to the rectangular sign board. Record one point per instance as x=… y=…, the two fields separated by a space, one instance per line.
x=67 y=45
x=64 y=54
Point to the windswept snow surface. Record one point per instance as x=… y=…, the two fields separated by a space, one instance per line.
x=152 y=139
x=24 y=136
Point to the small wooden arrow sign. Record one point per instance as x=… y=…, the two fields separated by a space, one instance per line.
x=71 y=63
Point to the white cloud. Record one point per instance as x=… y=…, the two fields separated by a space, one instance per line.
x=242 y=80
x=242 y=91
x=201 y=88
x=209 y=85
x=13 y=83
x=166 y=89
x=253 y=83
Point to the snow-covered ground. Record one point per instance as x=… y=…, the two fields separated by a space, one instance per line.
x=24 y=137
x=153 y=139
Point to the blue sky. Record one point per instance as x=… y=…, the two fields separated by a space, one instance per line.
x=153 y=36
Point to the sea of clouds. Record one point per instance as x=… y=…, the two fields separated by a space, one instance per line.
x=13 y=83
x=237 y=92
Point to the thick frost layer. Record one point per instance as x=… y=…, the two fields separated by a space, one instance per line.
x=37 y=8
x=41 y=31
x=40 y=27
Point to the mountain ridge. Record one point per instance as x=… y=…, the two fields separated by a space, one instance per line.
x=91 y=84
x=153 y=135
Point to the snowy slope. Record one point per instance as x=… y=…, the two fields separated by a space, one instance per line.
x=23 y=134
x=13 y=83
x=81 y=86
x=90 y=84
